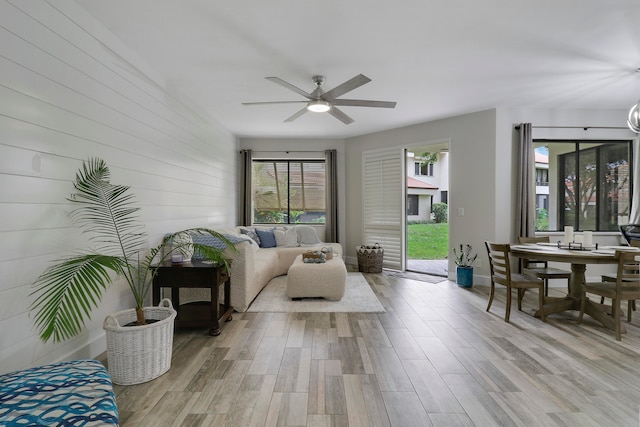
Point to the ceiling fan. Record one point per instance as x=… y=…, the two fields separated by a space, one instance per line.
x=320 y=101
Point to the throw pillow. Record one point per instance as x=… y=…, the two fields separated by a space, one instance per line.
x=286 y=237
x=267 y=239
x=307 y=235
x=251 y=233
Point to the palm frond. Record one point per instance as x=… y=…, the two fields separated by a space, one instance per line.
x=106 y=211
x=66 y=293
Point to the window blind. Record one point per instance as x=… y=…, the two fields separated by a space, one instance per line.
x=383 y=178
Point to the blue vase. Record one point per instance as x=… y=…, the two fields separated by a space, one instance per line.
x=464 y=276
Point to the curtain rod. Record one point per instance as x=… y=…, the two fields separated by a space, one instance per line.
x=575 y=127
x=288 y=151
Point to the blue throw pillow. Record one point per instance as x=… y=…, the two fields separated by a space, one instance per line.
x=267 y=239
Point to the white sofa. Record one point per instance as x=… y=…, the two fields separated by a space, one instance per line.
x=252 y=266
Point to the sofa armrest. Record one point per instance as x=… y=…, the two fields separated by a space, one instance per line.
x=242 y=262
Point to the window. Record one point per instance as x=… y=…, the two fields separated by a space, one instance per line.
x=412 y=204
x=423 y=169
x=444 y=197
x=288 y=191
x=589 y=185
x=542 y=177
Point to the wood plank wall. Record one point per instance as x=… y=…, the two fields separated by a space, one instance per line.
x=70 y=90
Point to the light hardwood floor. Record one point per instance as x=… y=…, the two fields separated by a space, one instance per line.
x=434 y=358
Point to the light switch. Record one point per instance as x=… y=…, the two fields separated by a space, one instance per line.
x=460 y=211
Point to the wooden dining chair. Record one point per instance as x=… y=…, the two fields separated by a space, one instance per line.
x=631 y=271
x=500 y=267
x=626 y=287
x=540 y=268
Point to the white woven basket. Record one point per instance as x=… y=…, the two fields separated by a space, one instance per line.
x=137 y=354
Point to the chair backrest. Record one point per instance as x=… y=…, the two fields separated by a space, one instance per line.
x=533 y=262
x=499 y=263
x=630 y=232
x=628 y=268
x=538 y=239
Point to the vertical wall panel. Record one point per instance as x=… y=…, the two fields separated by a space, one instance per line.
x=69 y=91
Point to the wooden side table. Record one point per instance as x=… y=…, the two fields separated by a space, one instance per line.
x=196 y=274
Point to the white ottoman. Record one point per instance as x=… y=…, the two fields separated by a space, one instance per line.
x=326 y=280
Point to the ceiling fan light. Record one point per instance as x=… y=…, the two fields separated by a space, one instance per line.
x=633 y=120
x=318 y=106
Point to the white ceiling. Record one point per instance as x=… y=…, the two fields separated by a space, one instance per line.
x=436 y=58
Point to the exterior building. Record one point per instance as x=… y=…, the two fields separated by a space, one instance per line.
x=542 y=180
x=426 y=184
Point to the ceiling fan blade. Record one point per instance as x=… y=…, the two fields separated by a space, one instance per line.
x=296 y=115
x=345 y=87
x=340 y=116
x=274 y=102
x=289 y=86
x=364 y=103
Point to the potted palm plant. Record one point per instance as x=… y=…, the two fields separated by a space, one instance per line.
x=67 y=291
x=464 y=260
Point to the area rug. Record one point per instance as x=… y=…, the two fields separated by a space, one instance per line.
x=358 y=298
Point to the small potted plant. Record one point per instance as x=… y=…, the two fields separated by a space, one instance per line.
x=464 y=260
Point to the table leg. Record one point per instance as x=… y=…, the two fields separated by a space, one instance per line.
x=577 y=279
x=572 y=300
x=557 y=305
x=215 y=330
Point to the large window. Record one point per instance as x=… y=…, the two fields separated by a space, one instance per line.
x=589 y=185
x=288 y=191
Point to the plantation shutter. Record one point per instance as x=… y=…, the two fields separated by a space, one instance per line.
x=383 y=204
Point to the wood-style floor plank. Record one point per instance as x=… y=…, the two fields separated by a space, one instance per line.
x=434 y=358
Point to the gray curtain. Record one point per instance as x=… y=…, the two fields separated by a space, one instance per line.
x=246 y=159
x=525 y=199
x=634 y=216
x=331 y=194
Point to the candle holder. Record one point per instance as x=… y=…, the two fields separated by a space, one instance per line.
x=576 y=246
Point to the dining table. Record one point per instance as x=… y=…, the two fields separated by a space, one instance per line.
x=579 y=257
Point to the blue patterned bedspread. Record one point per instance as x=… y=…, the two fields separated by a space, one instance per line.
x=76 y=393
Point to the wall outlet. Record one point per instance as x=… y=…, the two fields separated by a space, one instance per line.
x=477 y=263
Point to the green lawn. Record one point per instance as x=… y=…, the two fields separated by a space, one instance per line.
x=427 y=241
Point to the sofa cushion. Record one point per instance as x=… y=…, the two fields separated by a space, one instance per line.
x=287 y=237
x=267 y=239
x=307 y=235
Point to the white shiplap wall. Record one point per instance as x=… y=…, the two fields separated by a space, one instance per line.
x=70 y=90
